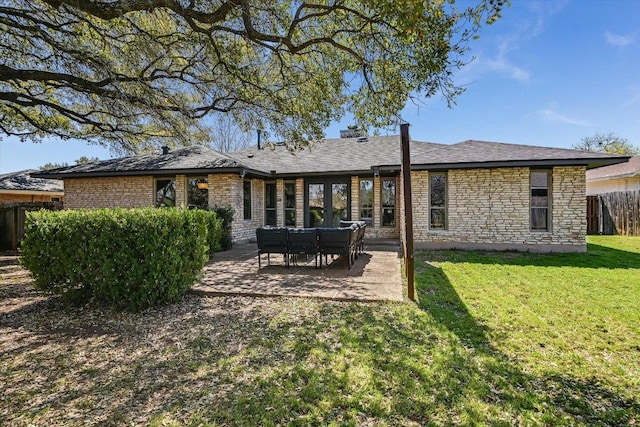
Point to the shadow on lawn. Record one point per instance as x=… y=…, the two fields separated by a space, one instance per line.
x=246 y=361
x=498 y=379
x=597 y=256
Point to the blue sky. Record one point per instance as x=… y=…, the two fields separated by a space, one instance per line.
x=548 y=73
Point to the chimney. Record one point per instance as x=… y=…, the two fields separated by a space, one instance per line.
x=165 y=149
x=350 y=133
x=259 y=135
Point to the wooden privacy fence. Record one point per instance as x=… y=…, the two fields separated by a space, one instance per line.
x=614 y=213
x=12 y=217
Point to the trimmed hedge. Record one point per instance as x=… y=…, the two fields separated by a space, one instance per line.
x=128 y=258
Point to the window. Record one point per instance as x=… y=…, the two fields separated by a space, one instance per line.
x=290 y=204
x=388 y=202
x=366 y=201
x=438 y=201
x=197 y=193
x=540 y=200
x=246 y=199
x=165 y=193
x=270 y=192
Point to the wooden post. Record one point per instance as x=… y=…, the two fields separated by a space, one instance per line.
x=408 y=210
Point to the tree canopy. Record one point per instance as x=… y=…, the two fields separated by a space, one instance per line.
x=607 y=143
x=130 y=74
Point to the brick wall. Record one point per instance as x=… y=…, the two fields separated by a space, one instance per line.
x=489 y=208
x=95 y=193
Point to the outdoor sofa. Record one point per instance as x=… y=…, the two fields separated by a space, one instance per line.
x=346 y=240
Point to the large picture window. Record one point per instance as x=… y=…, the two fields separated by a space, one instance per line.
x=366 y=201
x=438 y=201
x=197 y=193
x=388 y=202
x=165 y=192
x=540 y=212
x=290 y=204
x=246 y=199
x=270 y=204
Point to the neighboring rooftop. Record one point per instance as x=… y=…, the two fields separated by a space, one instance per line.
x=621 y=170
x=22 y=181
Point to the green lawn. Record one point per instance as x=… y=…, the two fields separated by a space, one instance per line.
x=496 y=339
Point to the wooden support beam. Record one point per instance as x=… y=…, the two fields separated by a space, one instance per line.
x=408 y=211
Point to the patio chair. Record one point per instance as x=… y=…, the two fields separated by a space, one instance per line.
x=337 y=241
x=359 y=249
x=272 y=241
x=304 y=241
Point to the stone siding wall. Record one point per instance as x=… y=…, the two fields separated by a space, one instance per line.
x=489 y=208
x=96 y=193
x=227 y=190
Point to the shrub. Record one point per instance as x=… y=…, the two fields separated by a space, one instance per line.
x=127 y=258
x=225 y=213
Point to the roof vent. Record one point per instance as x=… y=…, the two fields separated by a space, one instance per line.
x=362 y=139
x=165 y=149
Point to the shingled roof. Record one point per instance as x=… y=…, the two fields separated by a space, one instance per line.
x=473 y=153
x=340 y=155
x=192 y=159
x=622 y=170
x=22 y=181
x=337 y=156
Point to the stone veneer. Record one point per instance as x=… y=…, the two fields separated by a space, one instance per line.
x=226 y=190
x=486 y=208
x=111 y=192
x=489 y=209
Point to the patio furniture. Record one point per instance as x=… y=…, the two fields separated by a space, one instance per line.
x=272 y=241
x=338 y=241
x=359 y=234
x=304 y=241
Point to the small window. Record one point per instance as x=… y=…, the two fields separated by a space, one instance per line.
x=198 y=193
x=388 y=202
x=438 y=201
x=540 y=218
x=270 y=192
x=366 y=201
x=165 y=193
x=290 y=204
x=246 y=198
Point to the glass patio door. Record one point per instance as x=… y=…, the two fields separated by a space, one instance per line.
x=327 y=202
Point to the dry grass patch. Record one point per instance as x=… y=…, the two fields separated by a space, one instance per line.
x=491 y=342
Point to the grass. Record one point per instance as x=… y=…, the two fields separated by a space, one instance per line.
x=495 y=339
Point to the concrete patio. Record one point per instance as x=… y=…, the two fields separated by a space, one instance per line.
x=375 y=275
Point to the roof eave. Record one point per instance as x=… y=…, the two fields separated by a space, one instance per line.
x=35 y=192
x=588 y=162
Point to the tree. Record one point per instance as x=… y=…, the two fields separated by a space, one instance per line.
x=84 y=160
x=132 y=74
x=81 y=161
x=227 y=135
x=607 y=143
